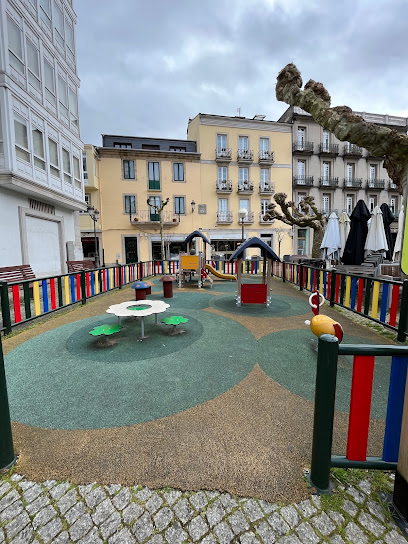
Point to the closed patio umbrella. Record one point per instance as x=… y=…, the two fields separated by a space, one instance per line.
x=388 y=218
x=398 y=242
x=331 y=240
x=376 y=240
x=354 y=249
x=344 y=225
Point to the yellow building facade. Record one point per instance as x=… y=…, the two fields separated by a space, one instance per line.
x=90 y=229
x=226 y=164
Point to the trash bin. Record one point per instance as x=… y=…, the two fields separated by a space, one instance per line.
x=141 y=289
x=167 y=285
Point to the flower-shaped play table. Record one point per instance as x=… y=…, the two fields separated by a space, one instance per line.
x=138 y=308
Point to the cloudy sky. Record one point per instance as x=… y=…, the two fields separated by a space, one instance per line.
x=147 y=66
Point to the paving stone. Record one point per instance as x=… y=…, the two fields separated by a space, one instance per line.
x=112 y=489
x=355 y=534
x=212 y=494
x=183 y=510
x=238 y=522
x=11 y=511
x=248 y=538
x=197 y=528
x=306 y=534
x=143 y=494
x=75 y=513
x=154 y=503
x=292 y=539
x=365 y=486
x=157 y=539
x=67 y=500
x=122 y=499
x=214 y=513
x=8 y=499
x=350 y=508
x=143 y=528
x=336 y=517
x=44 y=516
x=36 y=505
x=228 y=502
x=376 y=510
x=91 y=538
x=26 y=484
x=16 y=477
x=394 y=538
x=323 y=523
x=2 y=537
x=175 y=534
x=290 y=515
x=265 y=532
x=62 y=538
x=369 y=523
x=49 y=483
x=306 y=508
x=163 y=518
x=85 y=489
x=17 y=524
x=94 y=497
x=80 y=527
x=59 y=490
x=172 y=496
x=223 y=533
x=252 y=510
x=278 y=524
x=50 y=530
x=209 y=539
x=199 y=500
x=356 y=495
x=24 y=537
x=122 y=537
x=336 y=539
x=32 y=493
x=316 y=501
x=5 y=488
x=109 y=526
x=103 y=511
x=267 y=507
x=131 y=512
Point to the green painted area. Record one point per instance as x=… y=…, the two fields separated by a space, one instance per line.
x=174 y=320
x=138 y=308
x=280 y=307
x=105 y=330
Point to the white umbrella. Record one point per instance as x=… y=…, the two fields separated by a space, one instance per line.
x=331 y=241
x=397 y=248
x=344 y=224
x=376 y=239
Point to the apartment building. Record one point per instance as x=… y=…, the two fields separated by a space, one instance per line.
x=41 y=185
x=337 y=174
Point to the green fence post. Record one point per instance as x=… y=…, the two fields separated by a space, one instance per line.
x=402 y=324
x=5 y=307
x=333 y=288
x=301 y=277
x=326 y=375
x=83 y=286
x=7 y=457
x=120 y=276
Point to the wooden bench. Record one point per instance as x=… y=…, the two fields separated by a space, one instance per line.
x=19 y=272
x=78 y=266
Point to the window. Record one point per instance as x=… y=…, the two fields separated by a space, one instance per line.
x=59 y=25
x=326 y=140
x=372 y=175
x=66 y=166
x=301 y=136
x=326 y=203
x=33 y=64
x=153 y=147
x=38 y=149
x=69 y=39
x=301 y=170
x=21 y=138
x=130 y=204
x=300 y=197
x=73 y=107
x=85 y=166
x=349 y=172
x=221 y=142
x=154 y=203
x=154 y=175
x=243 y=174
x=45 y=12
x=87 y=199
x=372 y=202
x=222 y=173
x=263 y=144
x=264 y=206
x=179 y=207
x=63 y=96
x=77 y=173
x=302 y=242
x=222 y=209
x=54 y=159
x=325 y=172
x=349 y=203
x=243 y=143
x=122 y=146
x=244 y=204
x=178 y=171
x=15 y=46
x=178 y=149
x=264 y=172
x=393 y=203
x=49 y=80
x=129 y=169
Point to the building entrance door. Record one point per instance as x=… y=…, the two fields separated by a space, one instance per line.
x=131 y=249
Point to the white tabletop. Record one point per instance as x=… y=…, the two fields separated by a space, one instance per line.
x=124 y=309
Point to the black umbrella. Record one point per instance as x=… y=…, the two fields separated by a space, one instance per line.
x=388 y=218
x=354 y=248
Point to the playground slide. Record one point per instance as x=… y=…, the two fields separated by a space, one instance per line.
x=219 y=274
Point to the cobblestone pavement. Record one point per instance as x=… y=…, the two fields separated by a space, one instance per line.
x=59 y=512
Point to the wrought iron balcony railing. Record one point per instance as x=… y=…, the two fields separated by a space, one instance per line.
x=224 y=217
x=245 y=187
x=266 y=187
x=248 y=219
x=303 y=147
x=328 y=149
x=353 y=183
x=393 y=186
x=150 y=216
x=328 y=181
x=303 y=181
x=223 y=154
x=223 y=186
x=245 y=155
x=266 y=157
x=352 y=150
x=266 y=221
x=378 y=184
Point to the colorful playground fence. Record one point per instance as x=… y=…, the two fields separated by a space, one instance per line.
x=360 y=405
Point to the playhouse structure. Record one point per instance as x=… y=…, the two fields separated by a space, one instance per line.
x=254 y=293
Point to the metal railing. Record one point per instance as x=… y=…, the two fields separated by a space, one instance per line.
x=331 y=149
x=353 y=150
x=353 y=183
x=328 y=181
x=245 y=186
x=303 y=147
x=223 y=186
x=376 y=183
x=149 y=216
x=306 y=181
x=245 y=155
x=223 y=153
x=266 y=157
x=248 y=219
x=266 y=187
x=224 y=217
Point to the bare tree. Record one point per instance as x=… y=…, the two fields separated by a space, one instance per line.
x=307 y=216
x=341 y=121
x=159 y=211
x=280 y=235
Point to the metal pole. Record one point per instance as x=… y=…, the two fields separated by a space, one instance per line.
x=96 y=245
x=242 y=224
x=7 y=457
x=325 y=393
x=402 y=324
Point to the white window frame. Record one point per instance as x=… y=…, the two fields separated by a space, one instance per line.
x=349 y=203
x=264 y=205
x=88 y=199
x=85 y=166
x=326 y=202
x=50 y=93
x=69 y=39
x=73 y=107
x=326 y=140
x=1 y=137
x=393 y=203
x=222 y=173
x=55 y=169
x=33 y=77
x=76 y=171
x=263 y=148
x=300 y=197
x=39 y=160
x=59 y=30
x=16 y=57
x=63 y=95
x=243 y=143
x=129 y=204
x=67 y=172
x=243 y=174
x=19 y=147
x=45 y=12
x=372 y=202
x=220 y=146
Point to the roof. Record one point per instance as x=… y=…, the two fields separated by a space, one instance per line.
x=254 y=242
x=196 y=234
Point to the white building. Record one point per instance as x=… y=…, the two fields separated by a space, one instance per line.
x=41 y=185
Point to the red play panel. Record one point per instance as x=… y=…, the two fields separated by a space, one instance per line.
x=253 y=293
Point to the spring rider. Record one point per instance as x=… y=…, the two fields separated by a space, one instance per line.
x=322 y=324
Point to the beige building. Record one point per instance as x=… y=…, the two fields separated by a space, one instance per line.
x=226 y=164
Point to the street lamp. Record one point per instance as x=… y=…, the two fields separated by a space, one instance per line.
x=94 y=215
x=242 y=214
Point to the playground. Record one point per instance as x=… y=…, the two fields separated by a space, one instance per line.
x=226 y=405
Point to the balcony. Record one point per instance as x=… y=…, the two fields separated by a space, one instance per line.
x=223 y=186
x=266 y=157
x=223 y=154
x=224 y=217
x=375 y=184
x=265 y=221
x=352 y=150
x=245 y=187
x=154 y=185
x=328 y=150
x=303 y=148
x=266 y=188
x=393 y=186
x=329 y=181
x=151 y=219
x=248 y=219
x=353 y=183
x=303 y=181
x=245 y=156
